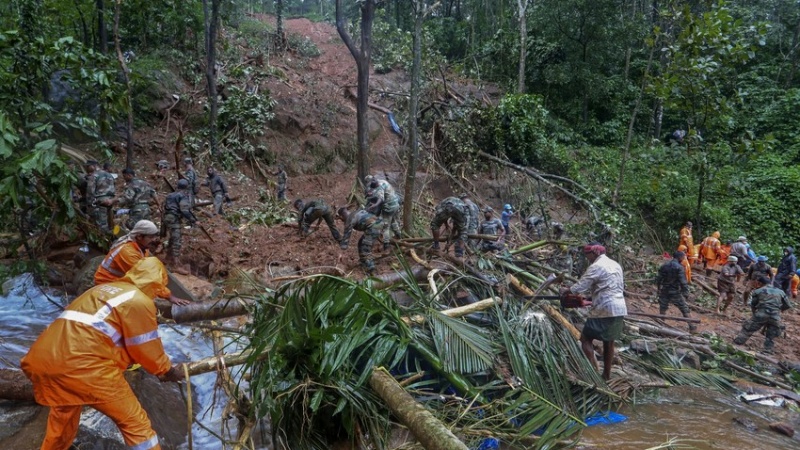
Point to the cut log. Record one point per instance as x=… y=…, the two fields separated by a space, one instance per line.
x=706 y=287
x=15 y=386
x=757 y=375
x=425 y=427
x=205 y=310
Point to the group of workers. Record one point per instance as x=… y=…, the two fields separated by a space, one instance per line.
x=767 y=290
x=98 y=198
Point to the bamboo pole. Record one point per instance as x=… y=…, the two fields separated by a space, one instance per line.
x=758 y=376
x=425 y=427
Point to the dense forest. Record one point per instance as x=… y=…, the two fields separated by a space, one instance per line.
x=666 y=111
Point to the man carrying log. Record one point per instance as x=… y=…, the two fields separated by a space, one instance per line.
x=80 y=359
x=673 y=287
x=767 y=303
x=491 y=226
x=603 y=282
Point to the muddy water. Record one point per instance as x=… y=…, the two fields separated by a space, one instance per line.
x=699 y=418
x=25 y=312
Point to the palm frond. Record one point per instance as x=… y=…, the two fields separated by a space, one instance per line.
x=667 y=365
x=462 y=347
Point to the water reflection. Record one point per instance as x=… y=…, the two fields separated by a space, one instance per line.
x=701 y=416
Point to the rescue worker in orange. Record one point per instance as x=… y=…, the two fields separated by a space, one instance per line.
x=795 y=282
x=723 y=253
x=126 y=252
x=709 y=251
x=80 y=359
x=687 y=268
x=686 y=239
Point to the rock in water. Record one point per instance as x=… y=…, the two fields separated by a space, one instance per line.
x=782 y=428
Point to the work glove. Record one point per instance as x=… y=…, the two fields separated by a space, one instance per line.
x=174 y=374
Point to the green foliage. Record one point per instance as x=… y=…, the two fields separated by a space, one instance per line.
x=392 y=49
x=245 y=113
x=304 y=46
x=324 y=335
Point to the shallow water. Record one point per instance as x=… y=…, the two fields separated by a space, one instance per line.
x=25 y=312
x=700 y=418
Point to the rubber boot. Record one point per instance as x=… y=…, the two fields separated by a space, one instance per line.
x=692 y=327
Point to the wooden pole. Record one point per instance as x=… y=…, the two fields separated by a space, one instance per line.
x=658 y=316
x=549 y=310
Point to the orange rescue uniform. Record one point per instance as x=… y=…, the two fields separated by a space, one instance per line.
x=687 y=267
x=722 y=254
x=795 y=281
x=119 y=261
x=81 y=357
x=686 y=239
x=709 y=249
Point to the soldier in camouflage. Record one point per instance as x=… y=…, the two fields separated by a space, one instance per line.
x=281 y=174
x=138 y=196
x=100 y=191
x=315 y=210
x=474 y=218
x=767 y=303
x=673 y=287
x=219 y=191
x=491 y=226
x=383 y=201
x=453 y=209
x=191 y=177
x=176 y=210
x=371 y=226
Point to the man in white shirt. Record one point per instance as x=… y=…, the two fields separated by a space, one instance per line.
x=603 y=282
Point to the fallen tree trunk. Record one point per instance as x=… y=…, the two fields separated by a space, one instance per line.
x=658 y=316
x=14 y=385
x=485 y=237
x=706 y=287
x=425 y=427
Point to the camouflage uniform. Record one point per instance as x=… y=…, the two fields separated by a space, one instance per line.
x=371 y=225
x=384 y=201
x=767 y=303
x=137 y=197
x=491 y=227
x=218 y=191
x=317 y=210
x=474 y=220
x=452 y=208
x=191 y=177
x=176 y=208
x=99 y=188
x=756 y=271
x=281 y=184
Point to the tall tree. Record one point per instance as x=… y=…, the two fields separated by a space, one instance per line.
x=102 y=32
x=211 y=23
x=362 y=56
x=522 y=10
x=128 y=97
x=420 y=12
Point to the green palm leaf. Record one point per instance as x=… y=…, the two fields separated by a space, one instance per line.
x=462 y=347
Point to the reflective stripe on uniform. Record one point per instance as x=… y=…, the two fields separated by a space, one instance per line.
x=142 y=338
x=110 y=259
x=146 y=445
x=97 y=321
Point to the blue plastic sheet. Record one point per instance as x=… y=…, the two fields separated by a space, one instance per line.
x=395 y=127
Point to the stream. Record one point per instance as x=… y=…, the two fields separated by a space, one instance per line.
x=26 y=310
x=699 y=418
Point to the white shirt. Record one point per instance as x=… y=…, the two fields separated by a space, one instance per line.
x=603 y=282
